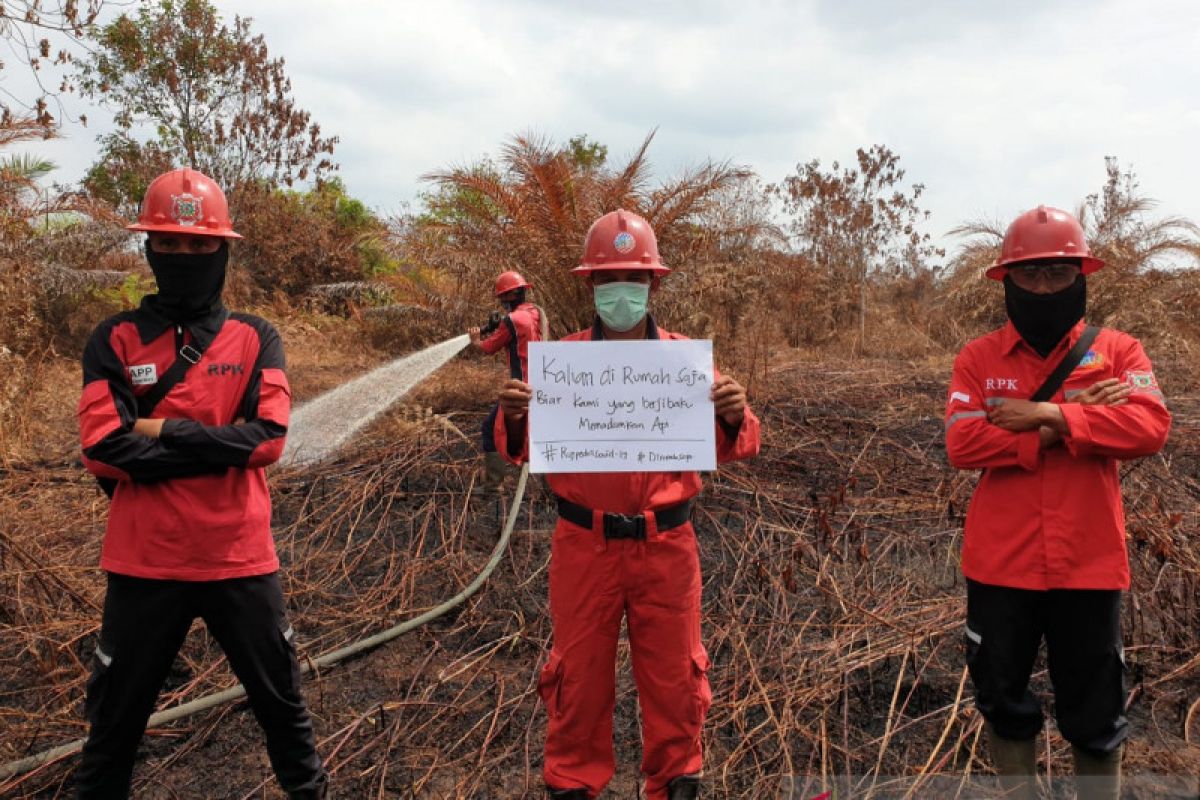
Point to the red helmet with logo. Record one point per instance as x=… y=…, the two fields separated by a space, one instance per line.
x=510 y=280
x=185 y=201
x=620 y=240
x=1044 y=232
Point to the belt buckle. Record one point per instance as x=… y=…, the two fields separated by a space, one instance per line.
x=623 y=526
x=189 y=354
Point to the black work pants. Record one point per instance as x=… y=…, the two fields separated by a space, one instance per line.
x=488 y=430
x=1082 y=629
x=145 y=622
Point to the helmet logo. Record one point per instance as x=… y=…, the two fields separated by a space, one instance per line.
x=186 y=208
x=624 y=242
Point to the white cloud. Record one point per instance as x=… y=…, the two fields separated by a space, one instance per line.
x=994 y=108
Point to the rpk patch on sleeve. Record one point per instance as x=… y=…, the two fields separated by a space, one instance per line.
x=1141 y=381
x=143 y=374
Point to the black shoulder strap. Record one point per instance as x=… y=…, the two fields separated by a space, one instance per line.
x=184 y=359
x=1065 y=367
x=514 y=352
x=188 y=356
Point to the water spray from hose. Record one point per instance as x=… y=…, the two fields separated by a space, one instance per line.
x=318 y=429
x=323 y=425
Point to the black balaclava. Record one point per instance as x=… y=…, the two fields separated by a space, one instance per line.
x=1044 y=319
x=189 y=284
x=518 y=299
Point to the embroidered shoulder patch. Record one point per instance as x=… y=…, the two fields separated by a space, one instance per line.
x=1141 y=381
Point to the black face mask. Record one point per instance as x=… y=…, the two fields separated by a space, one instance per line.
x=1044 y=319
x=189 y=284
x=518 y=299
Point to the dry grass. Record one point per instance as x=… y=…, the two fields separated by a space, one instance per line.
x=832 y=597
x=832 y=602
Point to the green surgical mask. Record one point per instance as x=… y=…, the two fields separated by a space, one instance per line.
x=622 y=306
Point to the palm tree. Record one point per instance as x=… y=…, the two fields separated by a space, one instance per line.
x=19 y=176
x=531 y=212
x=1118 y=228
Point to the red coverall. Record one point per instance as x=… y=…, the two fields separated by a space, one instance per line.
x=655 y=584
x=527 y=321
x=1050 y=519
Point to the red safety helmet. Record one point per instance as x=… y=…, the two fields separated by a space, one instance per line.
x=1044 y=232
x=620 y=240
x=185 y=201
x=509 y=281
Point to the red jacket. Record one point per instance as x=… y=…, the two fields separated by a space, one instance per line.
x=526 y=322
x=634 y=492
x=1050 y=519
x=193 y=504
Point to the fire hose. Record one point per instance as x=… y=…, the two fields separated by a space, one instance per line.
x=307 y=665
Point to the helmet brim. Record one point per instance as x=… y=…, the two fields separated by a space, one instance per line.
x=587 y=269
x=514 y=288
x=1087 y=264
x=183 y=229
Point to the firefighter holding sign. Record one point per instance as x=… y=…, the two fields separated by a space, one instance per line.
x=624 y=547
x=1047 y=407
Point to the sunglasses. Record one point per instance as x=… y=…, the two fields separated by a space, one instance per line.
x=1051 y=272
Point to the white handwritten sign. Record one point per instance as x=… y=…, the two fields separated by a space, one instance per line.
x=621 y=406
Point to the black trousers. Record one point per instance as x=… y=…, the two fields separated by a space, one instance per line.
x=1082 y=630
x=488 y=430
x=145 y=622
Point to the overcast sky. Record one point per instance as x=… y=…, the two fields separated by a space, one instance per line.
x=995 y=107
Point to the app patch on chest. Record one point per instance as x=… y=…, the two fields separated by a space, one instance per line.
x=143 y=374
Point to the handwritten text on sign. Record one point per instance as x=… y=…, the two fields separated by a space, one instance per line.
x=628 y=406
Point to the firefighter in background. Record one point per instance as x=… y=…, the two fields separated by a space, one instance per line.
x=522 y=323
x=1044 y=545
x=183 y=406
x=624 y=547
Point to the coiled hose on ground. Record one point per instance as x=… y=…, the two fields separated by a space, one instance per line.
x=328 y=659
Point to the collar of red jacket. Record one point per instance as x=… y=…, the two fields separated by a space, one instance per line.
x=651 y=329
x=1009 y=338
x=151 y=324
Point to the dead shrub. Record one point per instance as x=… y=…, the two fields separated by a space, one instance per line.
x=295 y=240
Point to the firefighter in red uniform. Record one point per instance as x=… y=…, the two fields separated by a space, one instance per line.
x=522 y=323
x=1044 y=546
x=183 y=405
x=624 y=547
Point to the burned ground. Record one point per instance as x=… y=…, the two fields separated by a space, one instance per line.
x=833 y=606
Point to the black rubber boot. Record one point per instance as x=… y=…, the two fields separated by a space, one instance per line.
x=685 y=787
x=1016 y=765
x=319 y=792
x=1097 y=774
x=566 y=794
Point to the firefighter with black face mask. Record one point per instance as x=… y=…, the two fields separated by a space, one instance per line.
x=184 y=404
x=1047 y=407
x=521 y=323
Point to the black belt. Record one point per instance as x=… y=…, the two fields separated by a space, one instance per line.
x=626 y=526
